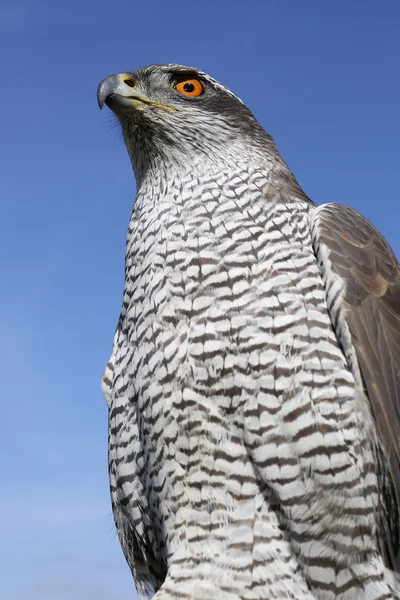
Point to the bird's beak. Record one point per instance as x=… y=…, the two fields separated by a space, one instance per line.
x=120 y=95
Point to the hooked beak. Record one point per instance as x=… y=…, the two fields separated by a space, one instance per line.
x=120 y=95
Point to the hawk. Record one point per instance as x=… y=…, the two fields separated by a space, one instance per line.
x=253 y=387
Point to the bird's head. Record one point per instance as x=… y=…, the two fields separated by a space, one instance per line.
x=182 y=115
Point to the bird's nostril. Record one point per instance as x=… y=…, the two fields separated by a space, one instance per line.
x=129 y=82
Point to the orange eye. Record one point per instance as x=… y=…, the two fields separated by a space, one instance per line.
x=190 y=87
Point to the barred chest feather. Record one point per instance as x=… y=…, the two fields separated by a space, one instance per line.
x=254 y=472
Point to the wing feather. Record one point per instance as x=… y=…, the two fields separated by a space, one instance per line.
x=364 y=259
x=127 y=472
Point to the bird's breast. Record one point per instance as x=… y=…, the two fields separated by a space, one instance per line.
x=226 y=329
x=225 y=303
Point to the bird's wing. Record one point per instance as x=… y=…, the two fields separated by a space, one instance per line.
x=349 y=246
x=128 y=474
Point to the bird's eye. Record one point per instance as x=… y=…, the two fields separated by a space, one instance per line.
x=190 y=87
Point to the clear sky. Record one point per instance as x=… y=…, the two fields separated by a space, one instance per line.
x=323 y=79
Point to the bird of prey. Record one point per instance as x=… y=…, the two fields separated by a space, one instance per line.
x=253 y=387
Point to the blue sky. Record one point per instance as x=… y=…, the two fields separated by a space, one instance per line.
x=321 y=77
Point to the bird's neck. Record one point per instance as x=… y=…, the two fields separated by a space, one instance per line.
x=219 y=175
x=173 y=165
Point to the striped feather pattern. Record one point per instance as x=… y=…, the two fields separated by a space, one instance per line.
x=241 y=465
